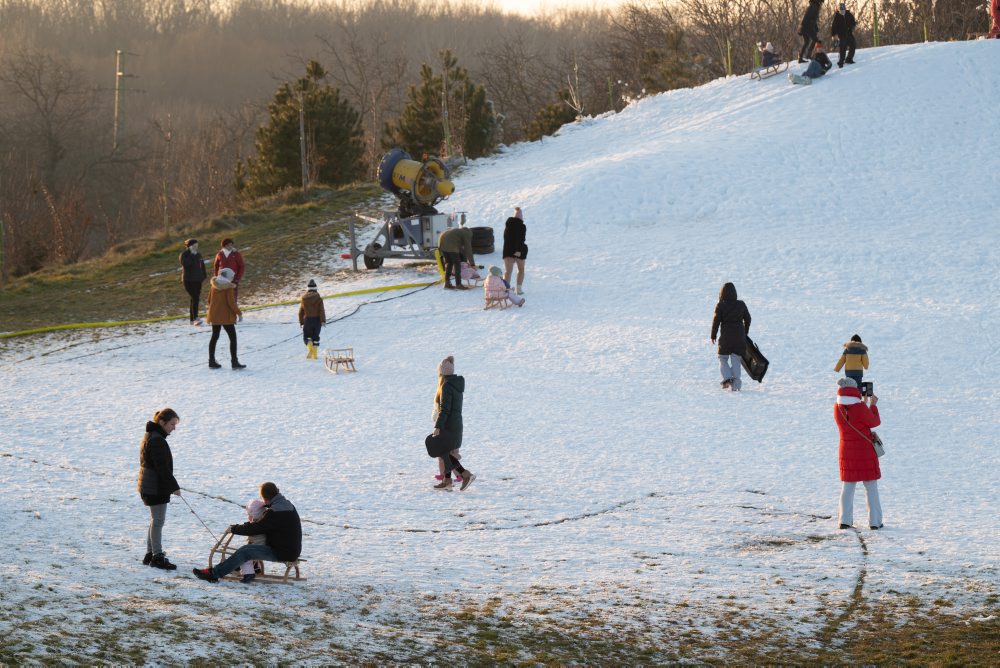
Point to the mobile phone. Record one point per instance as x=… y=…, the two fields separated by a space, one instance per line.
x=866 y=389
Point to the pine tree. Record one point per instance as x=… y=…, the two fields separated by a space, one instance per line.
x=333 y=138
x=471 y=124
x=552 y=117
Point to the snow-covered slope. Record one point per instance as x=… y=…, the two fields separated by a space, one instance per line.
x=616 y=481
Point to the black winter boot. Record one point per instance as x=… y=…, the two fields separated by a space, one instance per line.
x=212 y=364
x=161 y=561
x=237 y=365
x=147 y=559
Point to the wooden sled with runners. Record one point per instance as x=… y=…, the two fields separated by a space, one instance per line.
x=223 y=549
x=334 y=358
x=496 y=299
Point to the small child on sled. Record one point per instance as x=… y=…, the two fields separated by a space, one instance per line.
x=495 y=285
x=255 y=511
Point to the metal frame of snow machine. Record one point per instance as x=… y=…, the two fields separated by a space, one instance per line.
x=222 y=550
x=413 y=237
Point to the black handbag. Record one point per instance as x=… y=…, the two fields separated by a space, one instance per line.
x=437 y=446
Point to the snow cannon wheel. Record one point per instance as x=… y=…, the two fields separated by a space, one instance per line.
x=373 y=261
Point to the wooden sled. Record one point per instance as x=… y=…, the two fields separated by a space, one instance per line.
x=497 y=299
x=762 y=73
x=223 y=549
x=335 y=357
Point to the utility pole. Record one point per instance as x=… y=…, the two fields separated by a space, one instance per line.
x=119 y=94
x=302 y=141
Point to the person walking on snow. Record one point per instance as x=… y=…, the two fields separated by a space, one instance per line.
x=454 y=244
x=730 y=324
x=809 y=29
x=854 y=359
x=843 y=28
x=281 y=527
x=448 y=423
x=229 y=257
x=312 y=315
x=515 y=251
x=858 y=461
x=223 y=314
x=193 y=274
x=156 y=483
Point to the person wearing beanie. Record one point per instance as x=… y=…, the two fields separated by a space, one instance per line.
x=856 y=417
x=193 y=274
x=731 y=324
x=818 y=66
x=843 y=29
x=228 y=256
x=768 y=57
x=496 y=289
x=446 y=439
x=515 y=251
x=854 y=359
x=156 y=483
x=312 y=316
x=223 y=314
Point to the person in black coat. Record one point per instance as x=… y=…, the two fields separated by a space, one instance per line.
x=193 y=274
x=809 y=29
x=733 y=319
x=843 y=28
x=156 y=483
x=515 y=251
x=446 y=438
x=281 y=526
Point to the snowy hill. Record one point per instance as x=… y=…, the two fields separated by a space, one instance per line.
x=617 y=483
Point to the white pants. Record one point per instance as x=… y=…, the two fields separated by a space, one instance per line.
x=246 y=568
x=729 y=367
x=847 y=503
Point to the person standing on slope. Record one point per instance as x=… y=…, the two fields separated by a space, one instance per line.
x=843 y=28
x=454 y=244
x=312 y=315
x=733 y=319
x=192 y=275
x=515 y=251
x=854 y=360
x=222 y=314
x=156 y=483
x=809 y=29
x=229 y=257
x=858 y=461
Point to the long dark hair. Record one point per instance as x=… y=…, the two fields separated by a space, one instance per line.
x=728 y=291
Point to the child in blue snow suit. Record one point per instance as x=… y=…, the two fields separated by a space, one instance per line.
x=768 y=58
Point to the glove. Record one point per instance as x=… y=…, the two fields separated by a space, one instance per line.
x=231 y=528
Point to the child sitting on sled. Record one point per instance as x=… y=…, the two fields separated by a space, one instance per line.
x=470 y=273
x=495 y=285
x=255 y=511
x=768 y=57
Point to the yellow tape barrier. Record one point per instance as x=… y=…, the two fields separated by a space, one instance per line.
x=118 y=323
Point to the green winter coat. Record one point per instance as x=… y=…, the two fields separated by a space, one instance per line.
x=457 y=240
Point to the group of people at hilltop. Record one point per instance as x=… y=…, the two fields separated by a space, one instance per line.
x=856 y=413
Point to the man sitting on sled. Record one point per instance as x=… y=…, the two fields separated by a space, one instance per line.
x=281 y=526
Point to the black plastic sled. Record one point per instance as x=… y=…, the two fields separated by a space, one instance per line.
x=754 y=361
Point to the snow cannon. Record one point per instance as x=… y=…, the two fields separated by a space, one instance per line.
x=417 y=185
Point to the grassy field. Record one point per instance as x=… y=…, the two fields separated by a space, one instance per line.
x=141 y=278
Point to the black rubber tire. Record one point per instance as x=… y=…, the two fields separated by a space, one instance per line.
x=482 y=236
x=372 y=262
x=483 y=250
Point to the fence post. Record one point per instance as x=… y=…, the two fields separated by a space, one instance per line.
x=729 y=58
x=875 y=38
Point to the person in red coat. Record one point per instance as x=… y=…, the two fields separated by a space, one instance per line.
x=858 y=461
x=229 y=258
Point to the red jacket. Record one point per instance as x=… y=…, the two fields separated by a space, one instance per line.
x=234 y=262
x=858 y=461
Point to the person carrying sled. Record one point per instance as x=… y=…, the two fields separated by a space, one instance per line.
x=312 y=315
x=454 y=244
x=193 y=274
x=809 y=29
x=223 y=314
x=843 y=29
x=282 y=531
x=446 y=439
x=730 y=324
x=156 y=483
x=856 y=454
x=854 y=359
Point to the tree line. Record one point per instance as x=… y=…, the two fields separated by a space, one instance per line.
x=212 y=95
